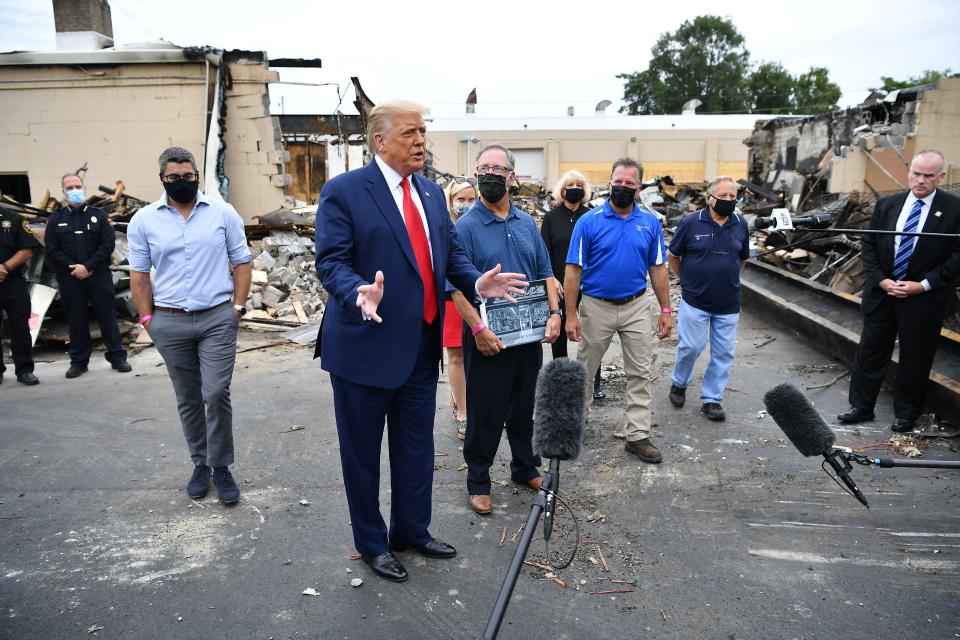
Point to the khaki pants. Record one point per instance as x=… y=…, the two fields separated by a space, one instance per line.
x=632 y=322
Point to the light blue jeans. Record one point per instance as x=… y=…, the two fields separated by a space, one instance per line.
x=693 y=326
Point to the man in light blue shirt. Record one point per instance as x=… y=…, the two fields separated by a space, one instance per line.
x=192 y=240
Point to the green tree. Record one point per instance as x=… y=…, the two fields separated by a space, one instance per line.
x=927 y=77
x=704 y=58
x=814 y=93
x=771 y=89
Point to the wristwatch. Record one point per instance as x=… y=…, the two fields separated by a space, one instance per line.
x=555 y=312
x=240 y=309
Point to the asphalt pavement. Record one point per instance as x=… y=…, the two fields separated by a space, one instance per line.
x=734 y=536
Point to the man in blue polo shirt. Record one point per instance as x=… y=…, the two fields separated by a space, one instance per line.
x=612 y=249
x=708 y=250
x=501 y=382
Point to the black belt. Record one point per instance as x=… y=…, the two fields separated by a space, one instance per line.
x=622 y=301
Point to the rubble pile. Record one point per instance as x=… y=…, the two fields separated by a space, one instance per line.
x=285 y=285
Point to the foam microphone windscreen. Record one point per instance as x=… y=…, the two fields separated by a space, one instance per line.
x=559 y=415
x=794 y=414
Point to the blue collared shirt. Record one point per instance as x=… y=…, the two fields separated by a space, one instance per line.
x=190 y=255
x=710 y=271
x=514 y=242
x=615 y=253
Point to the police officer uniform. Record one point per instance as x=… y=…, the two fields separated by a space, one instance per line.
x=83 y=235
x=14 y=296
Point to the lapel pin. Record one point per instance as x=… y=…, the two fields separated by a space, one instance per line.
x=936 y=215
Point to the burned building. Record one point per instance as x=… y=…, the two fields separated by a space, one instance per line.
x=865 y=148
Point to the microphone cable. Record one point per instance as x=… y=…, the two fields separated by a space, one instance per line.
x=576 y=535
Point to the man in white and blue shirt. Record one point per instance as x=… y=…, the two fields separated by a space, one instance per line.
x=193 y=308
x=612 y=250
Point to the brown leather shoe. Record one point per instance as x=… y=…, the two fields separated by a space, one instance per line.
x=534 y=483
x=644 y=450
x=482 y=504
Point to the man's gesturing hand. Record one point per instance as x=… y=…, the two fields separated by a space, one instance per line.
x=369 y=297
x=494 y=284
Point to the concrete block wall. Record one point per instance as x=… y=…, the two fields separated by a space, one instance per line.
x=254 y=155
x=55 y=118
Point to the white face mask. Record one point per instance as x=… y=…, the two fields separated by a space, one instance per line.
x=76 y=196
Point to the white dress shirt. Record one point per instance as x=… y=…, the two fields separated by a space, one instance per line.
x=396 y=190
x=902 y=221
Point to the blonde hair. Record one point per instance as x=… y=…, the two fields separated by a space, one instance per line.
x=451 y=190
x=381 y=117
x=558 y=189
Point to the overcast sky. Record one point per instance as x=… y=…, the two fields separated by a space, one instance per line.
x=524 y=58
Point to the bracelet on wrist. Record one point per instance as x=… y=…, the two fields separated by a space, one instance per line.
x=145 y=319
x=480 y=327
x=666 y=310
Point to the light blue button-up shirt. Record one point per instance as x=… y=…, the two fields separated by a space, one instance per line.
x=190 y=255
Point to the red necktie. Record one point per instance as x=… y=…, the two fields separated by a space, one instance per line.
x=421 y=250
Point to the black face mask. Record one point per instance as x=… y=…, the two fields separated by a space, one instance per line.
x=622 y=196
x=573 y=195
x=724 y=208
x=182 y=191
x=492 y=187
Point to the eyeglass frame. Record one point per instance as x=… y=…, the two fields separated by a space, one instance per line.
x=170 y=179
x=494 y=169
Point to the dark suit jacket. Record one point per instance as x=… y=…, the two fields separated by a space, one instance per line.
x=359 y=230
x=934 y=259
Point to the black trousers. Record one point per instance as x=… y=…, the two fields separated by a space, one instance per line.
x=918 y=329
x=500 y=394
x=559 y=349
x=78 y=297
x=15 y=303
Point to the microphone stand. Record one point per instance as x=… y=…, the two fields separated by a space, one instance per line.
x=840 y=458
x=544 y=501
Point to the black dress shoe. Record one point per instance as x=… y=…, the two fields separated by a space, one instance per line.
x=123 y=366
x=76 y=370
x=902 y=425
x=28 y=379
x=853 y=415
x=433 y=549
x=387 y=566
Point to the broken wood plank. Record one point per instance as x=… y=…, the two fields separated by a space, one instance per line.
x=301 y=315
x=266 y=345
x=604 y=592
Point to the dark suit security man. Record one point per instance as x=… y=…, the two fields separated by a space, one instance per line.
x=79 y=242
x=16 y=246
x=908 y=293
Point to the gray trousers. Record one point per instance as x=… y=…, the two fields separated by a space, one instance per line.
x=199 y=350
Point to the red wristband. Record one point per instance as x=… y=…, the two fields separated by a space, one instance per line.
x=480 y=327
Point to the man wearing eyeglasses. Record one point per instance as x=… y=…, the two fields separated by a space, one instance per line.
x=192 y=309
x=612 y=250
x=79 y=240
x=708 y=250
x=385 y=246
x=501 y=382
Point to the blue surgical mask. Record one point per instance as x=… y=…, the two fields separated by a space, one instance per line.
x=76 y=196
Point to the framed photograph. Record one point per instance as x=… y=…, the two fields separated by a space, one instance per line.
x=522 y=322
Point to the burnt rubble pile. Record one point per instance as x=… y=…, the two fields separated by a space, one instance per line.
x=285 y=285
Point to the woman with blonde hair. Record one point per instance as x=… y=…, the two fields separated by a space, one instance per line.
x=572 y=192
x=461 y=193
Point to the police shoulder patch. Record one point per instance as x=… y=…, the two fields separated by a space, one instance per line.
x=6 y=224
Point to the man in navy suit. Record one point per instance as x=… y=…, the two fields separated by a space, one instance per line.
x=909 y=291
x=385 y=247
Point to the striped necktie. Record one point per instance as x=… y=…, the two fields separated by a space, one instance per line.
x=902 y=260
